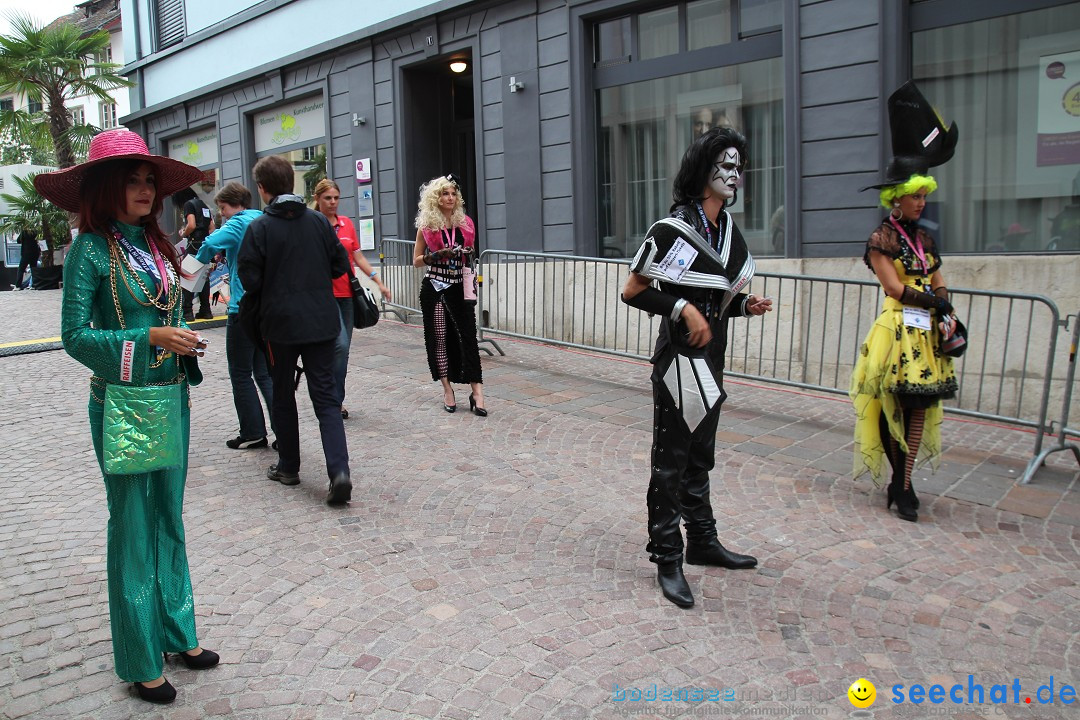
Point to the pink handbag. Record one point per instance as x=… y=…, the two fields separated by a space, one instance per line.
x=468 y=279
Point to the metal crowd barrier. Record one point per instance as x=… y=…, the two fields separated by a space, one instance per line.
x=398 y=274
x=810 y=340
x=403 y=279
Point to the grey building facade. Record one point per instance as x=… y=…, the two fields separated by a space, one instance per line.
x=570 y=116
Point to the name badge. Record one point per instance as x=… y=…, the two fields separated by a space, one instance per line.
x=917 y=317
x=678 y=260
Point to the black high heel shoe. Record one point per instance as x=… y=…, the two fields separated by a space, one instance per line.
x=476 y=409
x=163 y=694
x=449 y=408
x=205 y=659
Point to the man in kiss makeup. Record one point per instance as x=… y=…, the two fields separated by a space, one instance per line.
x=700 y=263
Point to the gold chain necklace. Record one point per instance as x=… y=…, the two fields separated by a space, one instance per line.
x=151 y=300
x=116 y=265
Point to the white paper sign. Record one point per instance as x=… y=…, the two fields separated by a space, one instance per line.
x=917 y=318
x=367 y=234
x=198 y=272
x=678 y=260
x=363 y=170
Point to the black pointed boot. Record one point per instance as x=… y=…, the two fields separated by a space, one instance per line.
x=711 y=552
x=673 y=584
x=905 y=500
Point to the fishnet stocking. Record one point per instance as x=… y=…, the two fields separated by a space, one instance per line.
x=914 y=421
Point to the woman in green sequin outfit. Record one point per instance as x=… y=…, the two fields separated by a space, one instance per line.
x=122 y=319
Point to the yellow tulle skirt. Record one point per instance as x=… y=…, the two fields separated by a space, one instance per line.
x=898 y=367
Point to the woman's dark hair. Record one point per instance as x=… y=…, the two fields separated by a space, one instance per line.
x=182 y=195
x=103 y=194
x=697 y=163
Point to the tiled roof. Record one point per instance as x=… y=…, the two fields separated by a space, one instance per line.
x=92 y=15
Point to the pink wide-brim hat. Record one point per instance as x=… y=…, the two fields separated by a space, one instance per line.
x=62 y=188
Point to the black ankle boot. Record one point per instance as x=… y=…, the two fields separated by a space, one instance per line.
x=673 y=584
x=711 y=552
x=906 y=502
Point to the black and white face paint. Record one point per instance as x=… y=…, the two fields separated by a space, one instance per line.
x=725 y=174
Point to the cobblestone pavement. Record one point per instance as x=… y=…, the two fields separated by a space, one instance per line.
x=494 y=567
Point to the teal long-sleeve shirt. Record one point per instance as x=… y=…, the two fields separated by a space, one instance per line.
x=227 y=239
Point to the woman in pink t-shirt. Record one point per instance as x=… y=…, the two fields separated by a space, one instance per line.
x=327 y=195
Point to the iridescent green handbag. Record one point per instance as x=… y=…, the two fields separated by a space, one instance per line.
x=142 y=428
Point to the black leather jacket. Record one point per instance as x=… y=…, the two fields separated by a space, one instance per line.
x=672 y=335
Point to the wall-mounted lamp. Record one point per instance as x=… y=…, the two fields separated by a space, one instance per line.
x=459 y=66
x=516 y=86
x=358 y=120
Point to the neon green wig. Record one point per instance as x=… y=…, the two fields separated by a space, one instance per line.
x=913 y=184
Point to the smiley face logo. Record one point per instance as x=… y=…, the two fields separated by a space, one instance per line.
x=862 y=693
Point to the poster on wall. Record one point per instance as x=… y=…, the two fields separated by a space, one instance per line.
x=1058 y=125
x=363 y=170
x=367 y=234
x=365 y=205
x=199 y=148
x=1047 y=131
x=290 y=124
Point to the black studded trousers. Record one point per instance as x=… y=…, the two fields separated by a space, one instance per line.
x=679 y=483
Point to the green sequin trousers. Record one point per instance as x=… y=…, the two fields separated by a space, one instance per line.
x=151 y=606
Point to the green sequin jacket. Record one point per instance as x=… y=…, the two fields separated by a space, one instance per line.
x=90 y=328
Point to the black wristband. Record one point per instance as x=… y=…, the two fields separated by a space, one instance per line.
x=910 y=296
x=652 y=301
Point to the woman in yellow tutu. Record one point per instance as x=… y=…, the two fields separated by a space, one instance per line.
x=902 y=374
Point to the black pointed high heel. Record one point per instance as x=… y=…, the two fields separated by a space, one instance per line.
x=162 y=694
x=205 y=659
x=476 y=409
x=449 y=408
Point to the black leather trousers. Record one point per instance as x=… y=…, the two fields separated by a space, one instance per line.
x=679 y=484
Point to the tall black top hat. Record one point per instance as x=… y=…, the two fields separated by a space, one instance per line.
x=920 y=139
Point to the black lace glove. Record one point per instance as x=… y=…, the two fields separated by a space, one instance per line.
x=911 y=296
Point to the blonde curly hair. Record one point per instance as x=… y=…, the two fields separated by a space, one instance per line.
x=428 y=215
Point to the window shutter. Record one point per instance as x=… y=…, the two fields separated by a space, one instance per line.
x=170 y=22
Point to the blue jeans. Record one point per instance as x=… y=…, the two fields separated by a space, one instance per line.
x=245 y=361
x=342 y=345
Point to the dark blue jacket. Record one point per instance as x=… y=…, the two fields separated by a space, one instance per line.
x=288 y=257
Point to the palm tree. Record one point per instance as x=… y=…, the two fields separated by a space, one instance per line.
x=29 y=209
x=50 y=64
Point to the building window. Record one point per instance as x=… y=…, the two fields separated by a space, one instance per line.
x=645 y=126
x=34 y=106
x=108 y=115
x=309 y=166
x=78 y=115
x=7 y=103
x=1010 y=84
x=105 y=56
x=169 y=22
